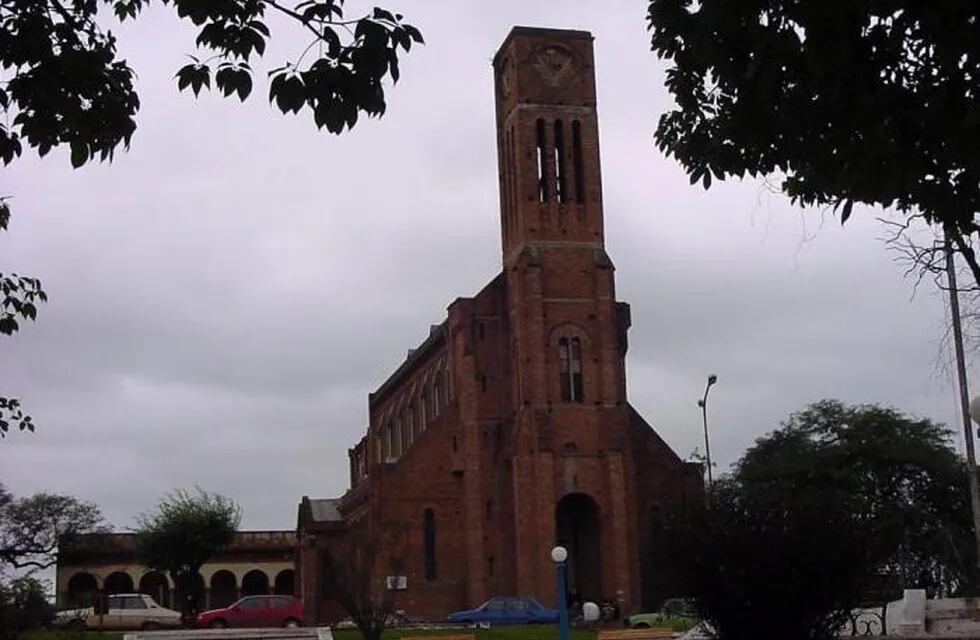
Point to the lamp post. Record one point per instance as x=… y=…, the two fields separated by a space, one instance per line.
x=703 y=403
x=559 y=555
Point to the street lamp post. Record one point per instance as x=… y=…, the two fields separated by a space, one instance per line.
x=703 y=403
x=559 y=555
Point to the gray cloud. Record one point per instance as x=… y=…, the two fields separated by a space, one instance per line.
x=225 y=295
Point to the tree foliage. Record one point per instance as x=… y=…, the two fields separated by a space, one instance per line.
x=789 y=563
x=31 y=528
x=864 y=101
x=183 y=532
x=902 y=471
x=839 y=495
x=24 y=607
x=66 y=84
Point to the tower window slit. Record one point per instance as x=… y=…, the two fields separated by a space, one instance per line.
x=542 y=173
x=512 y=169
x=560 y=168
x=577 y=161
x=508 y=204
x=570 y=369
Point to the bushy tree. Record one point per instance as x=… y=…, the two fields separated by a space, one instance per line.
x=182 y=533
x=24 y=607
x=773 y=560
x=904 y=474
x=851 y=102
x=790 y=539
x=31 y=528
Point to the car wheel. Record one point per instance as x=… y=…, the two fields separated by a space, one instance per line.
x=292 y=623
x=218 y=624
x=150 y=626
x=641 y=625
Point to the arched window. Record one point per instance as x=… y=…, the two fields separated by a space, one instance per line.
x=577 y=161
x=570 y=356
x=436 y=396
x=429 y=544
x=389 y=441
x=396 y=448
x=408 y=420
x=423 y=409
x=542 y=175
x=434 y=406
x=560 y=169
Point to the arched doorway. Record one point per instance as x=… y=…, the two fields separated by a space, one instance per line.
x=81 y=590
x=255 y=583
x=118 y=582
x=224 y=589
x=577 y=529
x=155 y=585
x=285 y=583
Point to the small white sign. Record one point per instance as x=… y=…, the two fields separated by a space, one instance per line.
x=397 y=583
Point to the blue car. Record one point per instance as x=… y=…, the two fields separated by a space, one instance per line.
x=507 y=611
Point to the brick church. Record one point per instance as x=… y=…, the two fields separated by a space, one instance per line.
x=508 y=430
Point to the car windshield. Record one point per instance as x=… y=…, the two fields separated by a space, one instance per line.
x=533 y=604
x=496 y=604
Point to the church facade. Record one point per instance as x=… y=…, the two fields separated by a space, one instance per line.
x=508 y=429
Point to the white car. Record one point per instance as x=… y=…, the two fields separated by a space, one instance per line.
x=124 y=611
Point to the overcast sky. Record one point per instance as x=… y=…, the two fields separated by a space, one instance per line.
x=224 y=296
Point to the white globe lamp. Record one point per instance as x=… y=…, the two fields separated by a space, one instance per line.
x=559 y=554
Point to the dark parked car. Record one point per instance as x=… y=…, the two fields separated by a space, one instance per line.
x=255 y=611
x=507 y=611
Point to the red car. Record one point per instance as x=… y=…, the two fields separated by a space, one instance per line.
x=255 y=611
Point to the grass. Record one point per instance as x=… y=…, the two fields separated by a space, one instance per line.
x=528 y=632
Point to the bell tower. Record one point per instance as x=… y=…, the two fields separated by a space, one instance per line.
x=547 y=140
x=571 y=448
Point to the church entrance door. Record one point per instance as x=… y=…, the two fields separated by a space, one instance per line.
x=577 y=529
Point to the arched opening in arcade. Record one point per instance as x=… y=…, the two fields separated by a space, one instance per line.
x=82 y=588
x=155 y=585
x=577 y=529
x=224 y=589
x=255 y=583
x=118 y=582
x=285 y=584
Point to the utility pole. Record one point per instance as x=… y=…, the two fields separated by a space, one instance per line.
x=971 y=458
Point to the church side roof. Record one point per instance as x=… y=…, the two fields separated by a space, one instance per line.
x=436 y=336
x=325 y=510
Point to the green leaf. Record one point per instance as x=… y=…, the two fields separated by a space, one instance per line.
x=79 y=154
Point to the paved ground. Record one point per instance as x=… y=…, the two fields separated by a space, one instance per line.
x=285 y=633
